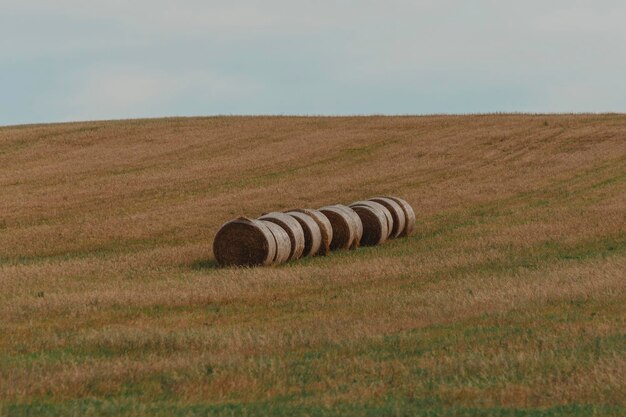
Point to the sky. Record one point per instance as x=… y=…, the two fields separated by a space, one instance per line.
x=68 y=60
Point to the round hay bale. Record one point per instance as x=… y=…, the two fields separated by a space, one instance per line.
x=409 y=214
x=344 y=230
x=323 y=223
x=379 y=207
x=312 y=233
x=375 y=229
x=399 y=219
x=293 y=229
x=283 y=243
x=244 y=242
x=358 y=226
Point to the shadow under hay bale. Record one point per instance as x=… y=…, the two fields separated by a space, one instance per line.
x=409 y=215
x=312 y=233
x=380 y=207
x=399 y=218
x=203 y=264
x=283 y=243
x=375 y=224
x=324 y=225
x=344 y=229
x=278 y=237
x=293 y=229
x=244 y=242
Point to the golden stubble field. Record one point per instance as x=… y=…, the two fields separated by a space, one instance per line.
x=509 y=300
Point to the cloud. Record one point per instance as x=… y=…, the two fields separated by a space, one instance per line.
x=69 y=58
x=129 y=92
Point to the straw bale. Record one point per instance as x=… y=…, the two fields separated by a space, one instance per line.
x=244 y=242
x=358 y=226
x=379 y=207
x=409 y=214
x=323 y=223
x=293 y=229
x=344 y=229
x=375 y=229
x=312 y=233
x=399 y=218
x=283 y=243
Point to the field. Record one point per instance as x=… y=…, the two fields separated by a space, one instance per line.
x=509 y=301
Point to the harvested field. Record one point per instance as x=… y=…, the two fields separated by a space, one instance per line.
x=509 y=298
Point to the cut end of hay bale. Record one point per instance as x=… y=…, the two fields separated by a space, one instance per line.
x=282 y=241
x=344 y=230
x=244 y=242
x=278 y=237
x=358 y=225
x=324 y=225
x=293 y=229
x=377 y=206
x=375 y=224
x=397 y=213
x=409 y=214
x=312 y=232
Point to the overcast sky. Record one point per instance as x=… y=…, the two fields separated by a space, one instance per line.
x=63 y=60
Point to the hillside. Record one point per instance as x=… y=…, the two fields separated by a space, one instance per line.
x=511 y=296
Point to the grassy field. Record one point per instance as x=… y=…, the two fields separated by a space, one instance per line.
x=509 y=301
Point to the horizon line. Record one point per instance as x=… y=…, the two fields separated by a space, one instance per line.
x=312 y=115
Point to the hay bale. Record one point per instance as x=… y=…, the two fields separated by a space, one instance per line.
x=375 y=227
x=380 y=207
x=312 y=233
x=293 y=229
x=399 y=218
x=323 y=223
x=409 y=214
x=344 y=229
x=244 y=242
x=283 y=243
x=358 y=226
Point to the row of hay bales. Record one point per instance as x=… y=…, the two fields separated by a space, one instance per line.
x=279 y=237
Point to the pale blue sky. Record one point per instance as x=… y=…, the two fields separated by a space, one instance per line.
x=63 y=60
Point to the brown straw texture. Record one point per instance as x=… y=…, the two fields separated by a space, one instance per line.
x=399 y=218
x=244 y=242
x=323 y=223
x=380 y=207
x=293 y=229
x=344 y=229
x=312 y=233
x=409 y=215
x=358 y=226
x=283 y=243
x=374 y=222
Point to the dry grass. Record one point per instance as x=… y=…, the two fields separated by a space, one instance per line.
x=510 y=295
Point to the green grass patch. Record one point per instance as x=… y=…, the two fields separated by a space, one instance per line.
x=396 y=407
